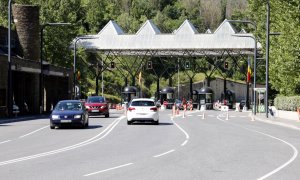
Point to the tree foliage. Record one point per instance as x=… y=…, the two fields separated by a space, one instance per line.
x=90 y=16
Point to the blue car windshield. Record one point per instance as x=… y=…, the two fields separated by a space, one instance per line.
x=63 y=106
x=95 y=100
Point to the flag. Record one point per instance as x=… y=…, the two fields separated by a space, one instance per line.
x=249 y=71
x=140 y=77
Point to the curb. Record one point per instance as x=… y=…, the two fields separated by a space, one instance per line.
x=24 y=118
x=275 y=123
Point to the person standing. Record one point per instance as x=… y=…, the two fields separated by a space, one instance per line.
x=184 y=104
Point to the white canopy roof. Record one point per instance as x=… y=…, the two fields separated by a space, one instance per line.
x=186 y=40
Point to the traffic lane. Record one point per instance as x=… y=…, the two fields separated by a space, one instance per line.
x=15 y=130
x=285 y=134
x=48 y=140
x=124 y=143
x=216 y=150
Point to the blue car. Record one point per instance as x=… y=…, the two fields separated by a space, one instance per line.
x=69 y=112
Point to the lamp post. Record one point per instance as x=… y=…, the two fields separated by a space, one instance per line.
x=267 y=56
x=41 y=94
x=255 y=57
x=74 y=63
x=9 y=75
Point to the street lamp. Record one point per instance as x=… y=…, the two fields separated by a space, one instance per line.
x=41 y=61
x=267 y=56
x=74 y=63
x=9 y=75
x=255 y=55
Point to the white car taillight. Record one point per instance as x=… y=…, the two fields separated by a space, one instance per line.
x=153 y=109
x=131 y=108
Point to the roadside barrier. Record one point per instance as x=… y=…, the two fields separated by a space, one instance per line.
x=225 y=109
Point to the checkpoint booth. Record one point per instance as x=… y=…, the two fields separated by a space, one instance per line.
x=206 y=95
x=128 y=94
x=260 y=100
x=167 y=95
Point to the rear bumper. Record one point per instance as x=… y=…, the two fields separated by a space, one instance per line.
x=135 y=117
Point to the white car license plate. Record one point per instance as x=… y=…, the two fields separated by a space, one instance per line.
x=141 y=113
x=65 y=121
x=95 y=110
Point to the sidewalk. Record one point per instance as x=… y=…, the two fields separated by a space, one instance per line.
x=23 y=118
x=294 y=124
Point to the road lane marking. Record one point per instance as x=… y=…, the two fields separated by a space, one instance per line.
x=184 y=143
x=34 y=131
x=109 y=169
x=5 y=141
x=295 y=151
x=180 y=128
x=98 y=137
x=162 y=154
x=185 y=133
x=285 y=164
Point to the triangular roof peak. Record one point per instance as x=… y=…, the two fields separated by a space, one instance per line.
x=243 y=31
x=225 y=28
x=149 y=28
x=111 y=28
x=208 y=31
x=186 y=28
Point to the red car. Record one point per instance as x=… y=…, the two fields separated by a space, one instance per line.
x=97 y=105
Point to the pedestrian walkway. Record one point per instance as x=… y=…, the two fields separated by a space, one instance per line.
x=294 y=124
x=23 y=118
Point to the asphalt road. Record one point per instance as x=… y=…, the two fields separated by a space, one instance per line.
x=178 y=148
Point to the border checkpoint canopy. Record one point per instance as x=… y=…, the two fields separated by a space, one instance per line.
x=184 y=41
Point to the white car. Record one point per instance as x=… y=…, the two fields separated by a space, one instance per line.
x=142 y=109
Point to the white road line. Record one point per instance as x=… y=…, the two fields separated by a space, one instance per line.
x=124 y=165
x=98 y=137
x=183 y=144
x=186 y=134
x=295 y=154
x=285 y=164
x=33 y=131
x=164 y=153
x=5 y=141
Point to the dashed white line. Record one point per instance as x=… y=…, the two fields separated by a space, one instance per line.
x=186 y=134
x=184 y=143
x=124 y=165
x=33 y=131
x=159 y=155
x=5 y=141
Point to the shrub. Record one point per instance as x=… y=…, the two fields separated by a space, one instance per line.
x=287 y=103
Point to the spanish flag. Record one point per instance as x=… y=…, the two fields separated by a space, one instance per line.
x=140 y=77
x=249 y=71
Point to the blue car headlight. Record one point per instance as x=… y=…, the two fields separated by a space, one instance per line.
x=55 y=117
x=77 y=116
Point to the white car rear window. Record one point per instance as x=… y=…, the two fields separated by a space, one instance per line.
x=142 y=103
